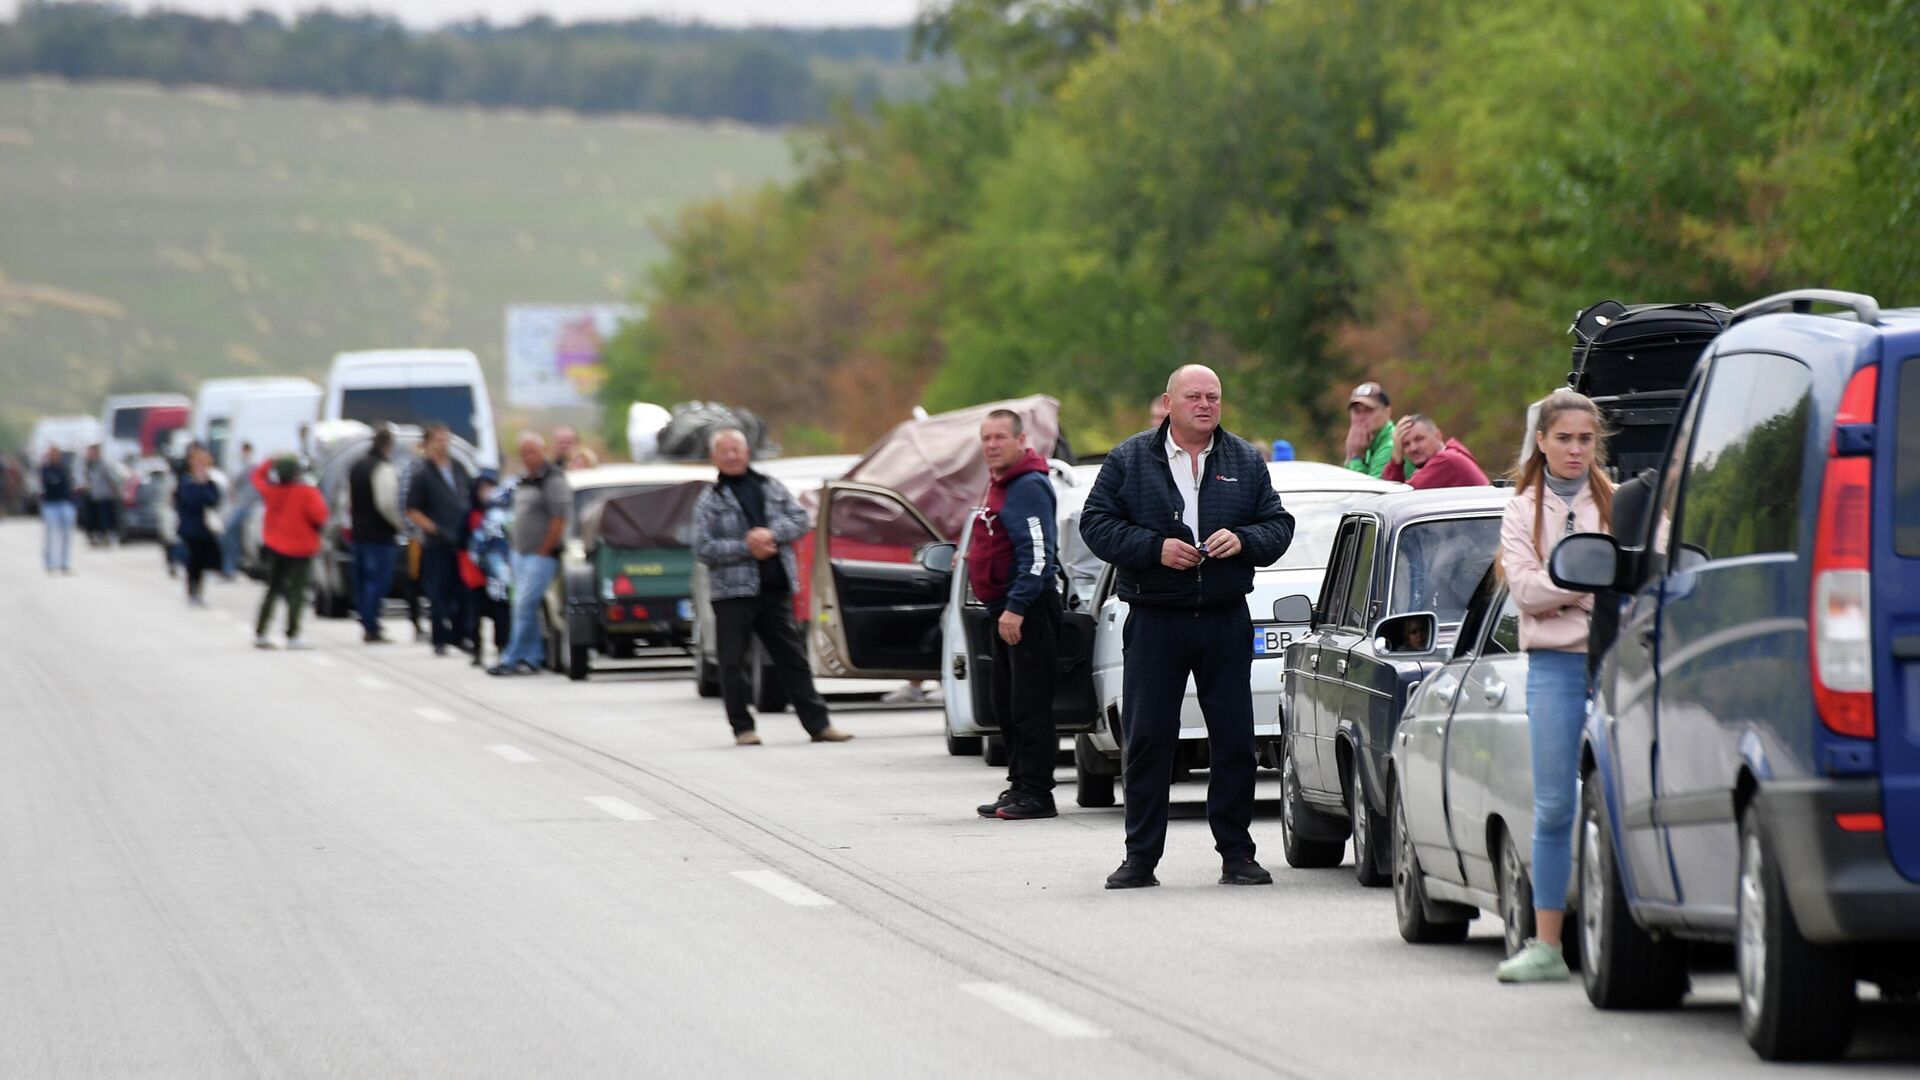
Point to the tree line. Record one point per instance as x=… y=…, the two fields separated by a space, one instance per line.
x=758 y=76
x=1302 y=195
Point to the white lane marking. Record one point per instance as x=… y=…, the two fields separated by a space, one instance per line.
x=513 y=754
x=433 y=715
x=783 y=887
x=373 y=682
x=619 y=807
x=1042 y=1014
x=317 y=660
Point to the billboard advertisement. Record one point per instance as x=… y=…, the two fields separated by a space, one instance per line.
x=554 y=352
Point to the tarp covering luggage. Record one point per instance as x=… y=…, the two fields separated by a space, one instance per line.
x=660 y=518
x=936 y=463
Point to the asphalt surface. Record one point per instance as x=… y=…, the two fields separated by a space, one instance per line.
x=217 y=861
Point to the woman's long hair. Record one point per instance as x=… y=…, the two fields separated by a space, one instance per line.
x=1531 y=472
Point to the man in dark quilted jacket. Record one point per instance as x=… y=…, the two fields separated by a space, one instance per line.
x=1185 y=512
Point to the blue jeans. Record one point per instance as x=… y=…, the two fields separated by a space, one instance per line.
x=373 y=565
x=230 y=541
x=1557 y=690
x=531 y=576
x=58 y=519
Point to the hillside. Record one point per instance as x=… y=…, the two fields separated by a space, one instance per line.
x=172 y=235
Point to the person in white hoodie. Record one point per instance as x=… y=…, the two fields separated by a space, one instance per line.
x=1560 y=488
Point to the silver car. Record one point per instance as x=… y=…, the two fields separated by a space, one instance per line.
x=1461 y=786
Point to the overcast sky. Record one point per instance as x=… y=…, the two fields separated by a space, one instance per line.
x=435 y=12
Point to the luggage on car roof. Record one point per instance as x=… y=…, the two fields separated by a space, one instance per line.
x=1634 y=361
x=694 y=422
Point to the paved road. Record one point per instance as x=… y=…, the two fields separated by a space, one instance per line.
x=370 y=862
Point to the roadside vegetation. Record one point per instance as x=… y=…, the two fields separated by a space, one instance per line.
x=1301 y=194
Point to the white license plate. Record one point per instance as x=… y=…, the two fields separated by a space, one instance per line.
x=1271 y=640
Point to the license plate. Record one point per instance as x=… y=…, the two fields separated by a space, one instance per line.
x=1271 y=640
x=684 y=609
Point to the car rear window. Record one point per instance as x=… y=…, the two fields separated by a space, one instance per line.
x=1437 y=565
x=1316 y=521
x=1906 y=463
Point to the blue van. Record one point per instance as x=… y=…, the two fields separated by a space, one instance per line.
x=1751 y=765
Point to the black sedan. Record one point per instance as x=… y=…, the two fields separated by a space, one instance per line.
x=1403 y=570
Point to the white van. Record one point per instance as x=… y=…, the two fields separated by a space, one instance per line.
x=416 y=387
x=72 y=434
x=216 y=400
x=272 y=422
x=124 y=427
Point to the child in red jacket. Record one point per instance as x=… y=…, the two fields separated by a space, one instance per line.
x=295 y=513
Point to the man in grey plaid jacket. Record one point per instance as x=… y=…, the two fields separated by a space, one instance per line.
x=743 y=531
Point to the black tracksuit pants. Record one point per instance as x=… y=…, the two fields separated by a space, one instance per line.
x=1024 y=677
x=440 y=566
x=1162 y=649
x=768 y=616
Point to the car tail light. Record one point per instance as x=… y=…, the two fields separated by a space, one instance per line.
x=639 y=611
x=1840 y=622
x=623 y=586
x=1862 y=822
x=616 y=613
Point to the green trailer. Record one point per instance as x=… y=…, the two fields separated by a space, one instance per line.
x=632 y=591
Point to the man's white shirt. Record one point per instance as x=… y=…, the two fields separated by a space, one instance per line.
x=1186 y=478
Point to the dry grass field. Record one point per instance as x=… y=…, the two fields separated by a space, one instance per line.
x=159 y=236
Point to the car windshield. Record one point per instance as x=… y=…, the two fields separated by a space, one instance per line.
x=416 y=405
x=1438 y=564
x=1316 y=517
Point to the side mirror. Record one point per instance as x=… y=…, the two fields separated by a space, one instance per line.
x=1297 y=608
x=1585 y=562
x=938 y=558
x=1413 y=634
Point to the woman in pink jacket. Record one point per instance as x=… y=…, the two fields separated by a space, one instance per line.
x=1560 y=488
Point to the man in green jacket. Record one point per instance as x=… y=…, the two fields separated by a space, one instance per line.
x=1369 y=430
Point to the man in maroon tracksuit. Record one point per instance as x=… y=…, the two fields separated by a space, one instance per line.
x=1425 y=458
x=1012 y=564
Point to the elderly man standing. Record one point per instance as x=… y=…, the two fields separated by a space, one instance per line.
x=744 y=529
x=1423 y=457
x=1185 y=512
x=542 y=506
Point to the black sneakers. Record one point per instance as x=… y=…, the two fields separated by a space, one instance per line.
x=1244 y=872
x=1022 y=806
x=1132 y=875
x=992 y=809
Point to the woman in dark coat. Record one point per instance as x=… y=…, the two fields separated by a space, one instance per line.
x=197 y=501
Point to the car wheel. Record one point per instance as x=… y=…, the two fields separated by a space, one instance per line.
x=706 y=678
x=579 y=663
x=769 y=695
x=1090 y=789
x=1410 y=905
x=963 y=745
x=994 y=750
x=1796 y=999
x=1622 y=966
x=1516 y=894
x=1302 y=853
x=1367 y=841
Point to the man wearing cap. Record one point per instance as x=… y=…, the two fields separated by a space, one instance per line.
x=1369 y=430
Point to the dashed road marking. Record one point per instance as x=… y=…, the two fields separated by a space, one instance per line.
x=783 y=887
x=373 y=682
x=432 y=714
x=319 y=660
x=513 y=754
x=619 y=807
x=1041 y=1013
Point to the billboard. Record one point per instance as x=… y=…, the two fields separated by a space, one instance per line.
x=554 y=352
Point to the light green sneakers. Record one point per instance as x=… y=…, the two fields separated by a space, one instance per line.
x=1536 y=961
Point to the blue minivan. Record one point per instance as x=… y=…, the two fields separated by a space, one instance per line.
x=1751 y=766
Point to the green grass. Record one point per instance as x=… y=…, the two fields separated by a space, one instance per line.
x=177 y=235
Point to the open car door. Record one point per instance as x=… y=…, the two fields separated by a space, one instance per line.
x=874 y=611
x=1075 y=704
